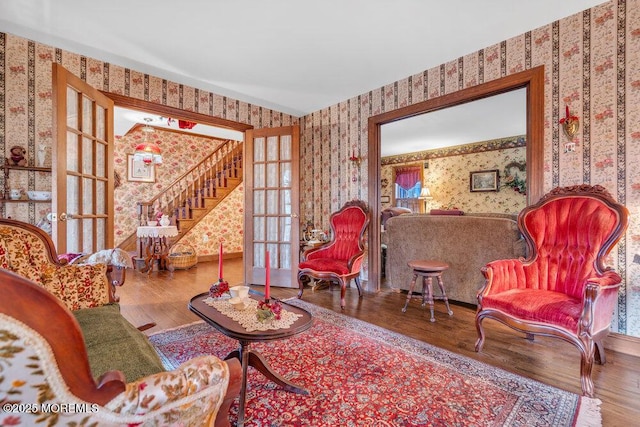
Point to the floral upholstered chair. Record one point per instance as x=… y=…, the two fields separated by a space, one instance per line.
x=563 y=288
x=45 y=377
x=340 y=259
x=28 y=251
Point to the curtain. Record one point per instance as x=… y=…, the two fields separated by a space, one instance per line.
x=407 y=177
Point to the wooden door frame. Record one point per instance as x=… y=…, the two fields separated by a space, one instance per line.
x=532 y=80
x=174 y=112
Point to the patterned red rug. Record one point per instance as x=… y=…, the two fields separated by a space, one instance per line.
x=359 y=374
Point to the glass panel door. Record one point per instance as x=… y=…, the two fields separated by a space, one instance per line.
x=272 y=200
x=83 y=162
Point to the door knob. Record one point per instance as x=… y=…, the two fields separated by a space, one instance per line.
x=294 y=215
x=62 y=216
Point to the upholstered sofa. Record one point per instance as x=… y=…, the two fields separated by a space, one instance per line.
x=465 y=242
x=64 y=341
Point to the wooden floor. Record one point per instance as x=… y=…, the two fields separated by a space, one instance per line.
x=162 y=298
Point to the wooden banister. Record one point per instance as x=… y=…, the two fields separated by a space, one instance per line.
x=194 y=185
x=194 y=193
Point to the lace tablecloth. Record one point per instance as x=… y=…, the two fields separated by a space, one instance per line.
x=160 y=231
x=247 y=318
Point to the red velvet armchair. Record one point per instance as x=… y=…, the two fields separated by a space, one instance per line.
x=562 y=289
x=341 y=259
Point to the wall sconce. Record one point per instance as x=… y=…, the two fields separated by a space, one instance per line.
x=570 y=125
x=354 y=158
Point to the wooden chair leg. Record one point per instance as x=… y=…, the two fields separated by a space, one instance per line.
x=600 y=357
x=300 y=286
x=586 y=365
x=480 y=331
x=357 y=280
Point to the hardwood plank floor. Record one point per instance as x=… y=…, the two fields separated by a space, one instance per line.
x=162 y=297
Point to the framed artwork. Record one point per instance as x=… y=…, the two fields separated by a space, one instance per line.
x=137 y=170
x=385 y=199
x=484 y=180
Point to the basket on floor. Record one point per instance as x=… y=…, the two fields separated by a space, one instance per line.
x=182 y=256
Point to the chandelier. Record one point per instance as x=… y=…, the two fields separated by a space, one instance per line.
x=148 y=152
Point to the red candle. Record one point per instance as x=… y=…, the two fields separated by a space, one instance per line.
x=267 y=280
x=567 y=109
x=220 y=262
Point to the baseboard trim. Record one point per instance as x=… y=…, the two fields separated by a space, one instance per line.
x=227 y=255
x=623 y=343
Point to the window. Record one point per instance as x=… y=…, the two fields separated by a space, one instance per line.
x=408 y=183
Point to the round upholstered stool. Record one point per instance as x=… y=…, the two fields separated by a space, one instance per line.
x=428 y=269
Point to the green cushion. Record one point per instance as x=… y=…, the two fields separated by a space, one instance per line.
x=115 y=344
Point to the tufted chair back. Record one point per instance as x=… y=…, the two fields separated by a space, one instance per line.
x=341 y=259
x=347 y=227
x=568 y=238
x=563 y=289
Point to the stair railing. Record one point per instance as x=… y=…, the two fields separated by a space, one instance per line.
x=202 y=181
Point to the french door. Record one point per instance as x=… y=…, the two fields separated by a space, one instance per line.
x=83 y=165
x=271 y=202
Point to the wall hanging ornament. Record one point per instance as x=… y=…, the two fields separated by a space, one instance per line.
x=570 y=124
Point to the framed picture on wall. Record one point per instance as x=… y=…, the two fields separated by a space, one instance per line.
x=385 y=199
x=488 y=180
x=137 y=170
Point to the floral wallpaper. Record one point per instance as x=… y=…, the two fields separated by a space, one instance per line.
x=447 y=176
x=224 y=224
x=26 y=120
x=180 y=152
x=592 y=64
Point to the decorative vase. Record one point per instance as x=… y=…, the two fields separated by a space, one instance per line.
x=164 y=220
x=42 y=155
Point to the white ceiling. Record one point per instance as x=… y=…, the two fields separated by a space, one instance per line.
x=295 y=56
x=125 y=119
x=498 y=116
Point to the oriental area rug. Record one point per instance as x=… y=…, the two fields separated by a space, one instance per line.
x=359 y=374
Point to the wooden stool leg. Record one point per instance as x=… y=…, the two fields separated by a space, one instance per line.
x=411 y=287
x=425 y=292
x=430 y=296
x=444 y=295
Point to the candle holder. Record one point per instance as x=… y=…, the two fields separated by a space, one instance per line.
x=268 y=310
x=355 y=159
x=219 y=288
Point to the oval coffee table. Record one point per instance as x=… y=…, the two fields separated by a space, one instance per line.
x=246 y=355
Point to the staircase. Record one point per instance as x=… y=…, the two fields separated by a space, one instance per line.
x=197 y=192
